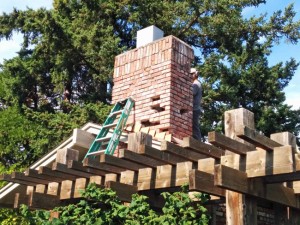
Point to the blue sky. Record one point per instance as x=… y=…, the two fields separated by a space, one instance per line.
x=282 y=52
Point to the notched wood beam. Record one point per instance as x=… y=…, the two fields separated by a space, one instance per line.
x=256 y=138
x=117 y=162
x=84 y=170
x=162 y=156
x=200 y=147
x=94 y=163
x=227 y=143
x=138 y=158
x=171 y=148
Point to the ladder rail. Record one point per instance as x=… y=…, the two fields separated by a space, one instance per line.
x=113 y=142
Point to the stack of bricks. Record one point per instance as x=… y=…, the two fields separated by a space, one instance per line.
x=156 y=76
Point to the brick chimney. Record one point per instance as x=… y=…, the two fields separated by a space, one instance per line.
x=156 y=76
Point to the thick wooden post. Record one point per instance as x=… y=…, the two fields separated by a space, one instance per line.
x=239 y=209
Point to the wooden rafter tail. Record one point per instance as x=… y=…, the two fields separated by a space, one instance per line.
x=72 y=174
x=203 y=148
x=256 y=138
x=227 y=143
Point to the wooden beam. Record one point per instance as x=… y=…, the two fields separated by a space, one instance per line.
x=20 y=199
x=138 y=158
x=165 y=176
x=162 y=156
x=236 y=180
x=43 y=201
x=129 y=177
x=57 y=174
x=137 y=139
x=67 y=189
x=63 y=168
x=117 y=162
x=146 y=179
x=88 y=171
x=65 y=154
x=93 y=163
x=80 y=185
x=227 y=143
x=204 y=182
x=180 y=151
x=280 y=178
x=262 y=163
x=203 y=148
x=182 y=173
x=256 y=138
x=21 y=176
x=8 y=178
x=124 y=191
x=35 y=174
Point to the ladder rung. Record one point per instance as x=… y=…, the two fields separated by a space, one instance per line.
x=96 y=153
x=116 y=113
x=110 y=125
x=103 y=139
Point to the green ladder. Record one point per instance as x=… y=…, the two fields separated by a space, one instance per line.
x=121 y=108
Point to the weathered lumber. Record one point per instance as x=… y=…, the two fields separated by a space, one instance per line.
x=162 y=156
x=204 y=182
x=129 y=177
x=138 y=158
x=203 y=148
x=180 y=151
x=227 y=143
x=254 y=137
x=138 y=138
x=67 y=189
x=75 y=165
x=124 y=191
x=238 y=181
x=21 y=177
x=93 y=163
x=117 y=162
x=165 y=176
x=63 y=168
x=146 y=179
x=43 y=201
x=36 y=174
x=60 y=175
x=20 y=199
x=8 y=178
x=285 y=177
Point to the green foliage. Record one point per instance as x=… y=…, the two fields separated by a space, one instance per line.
x=26 y=135
x=102 y=206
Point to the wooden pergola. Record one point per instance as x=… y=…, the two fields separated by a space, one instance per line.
x=241 y=168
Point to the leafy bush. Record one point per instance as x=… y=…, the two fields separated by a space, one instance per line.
x=102 y=206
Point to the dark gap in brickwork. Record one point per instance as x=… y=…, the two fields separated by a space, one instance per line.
x=157 y=108
x=182 y=111
x=147 y=123
x=155 y=98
